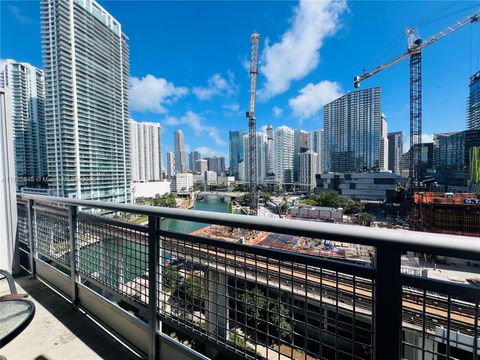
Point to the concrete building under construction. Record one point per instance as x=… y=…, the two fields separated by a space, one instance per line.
x=452 y=213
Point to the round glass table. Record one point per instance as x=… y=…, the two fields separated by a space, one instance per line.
x=15 y=315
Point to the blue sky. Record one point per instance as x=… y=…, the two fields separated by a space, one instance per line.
x=188 y=61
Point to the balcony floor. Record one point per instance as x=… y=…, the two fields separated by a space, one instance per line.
x=58 y=330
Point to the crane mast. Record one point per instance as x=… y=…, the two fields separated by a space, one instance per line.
x=252 y=131
x=414 y=52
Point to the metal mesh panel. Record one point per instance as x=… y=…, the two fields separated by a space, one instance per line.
x=113 y=254
x=51 y=234
x=438 y=325
x=22 y=225
x=263 y=305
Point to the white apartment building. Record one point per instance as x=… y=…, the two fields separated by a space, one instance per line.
x=283 y=140
x=145 y=151
x=308 y=170
x=384 y=145
x=86 y=59
x=170 y=165
x=26 y=85
x=201 y=166
x=183 y=183
x=315 y=143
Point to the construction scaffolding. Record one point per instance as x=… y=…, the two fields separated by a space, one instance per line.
x=450 y=213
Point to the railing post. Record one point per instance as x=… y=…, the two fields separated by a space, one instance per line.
x=388 y=302
x=153 y=257
x=31 y=240
x=72 y=225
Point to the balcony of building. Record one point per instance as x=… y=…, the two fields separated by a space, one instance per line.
x=134 y=291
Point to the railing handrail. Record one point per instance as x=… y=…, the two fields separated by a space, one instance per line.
x=466 y=247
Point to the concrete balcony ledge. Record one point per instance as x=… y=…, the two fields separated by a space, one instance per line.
x=58 y=330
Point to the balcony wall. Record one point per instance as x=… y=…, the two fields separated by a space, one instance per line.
x=223 y=298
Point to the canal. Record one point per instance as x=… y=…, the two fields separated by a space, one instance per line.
x=133 y=255
x=210 y=203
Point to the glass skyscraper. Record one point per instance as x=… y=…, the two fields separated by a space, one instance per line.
x=86 y=59
x=353 y=132
x=395 y=151
x=473 y=105
x=235 y=140
x=26 y=84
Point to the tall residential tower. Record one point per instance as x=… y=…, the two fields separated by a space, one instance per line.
x=86 y=60
x=26 y=85
x=353 y=132
x=145 y=150
x=473 y=103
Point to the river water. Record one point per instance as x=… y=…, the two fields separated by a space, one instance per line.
x=210 y=203
x=133 y=254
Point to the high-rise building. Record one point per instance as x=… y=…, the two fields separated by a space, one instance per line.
x=170 y=165
x=315 y=141
x=192 y=159
x=86 y=59
x=235 y=140
x=283 y=156
x=395 y=151
x=353 y=129
x=260 y=156
x=8 y=198
x=301 y=138
x=201 y=165
x=182 y=183
x=269 y=150
x=180 y=154
x=384 y=145
x=426 y=156
x=451 y=156
x=145 y=151
x=26 y=84
x=473 y=103
x=217 y=164
x=308 y=170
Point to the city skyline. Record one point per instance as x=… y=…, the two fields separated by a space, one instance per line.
x=206 y=97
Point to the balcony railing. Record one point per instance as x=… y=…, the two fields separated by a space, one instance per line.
x=149 y=285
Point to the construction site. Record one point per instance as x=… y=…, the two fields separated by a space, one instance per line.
x=449 y=213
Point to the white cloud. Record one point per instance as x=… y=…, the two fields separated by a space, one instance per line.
x=312 y=97
x=298 y=51
x=426 y=138
x=4 y=61
x=277 y=111
x=194 y=121
x=216 y=85
x=19 y=16
x=208 y=151
x=232 y=107
x=151 y=94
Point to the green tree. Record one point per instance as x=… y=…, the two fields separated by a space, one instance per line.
x=245 y=199
x=353 y=207
x=171 y=279
x=230 y=207
x=308 y=201
x=253 y=302
x=199 y=186
x=365 y=219
x=167 y=200
x=280 y=315
x=330 y=199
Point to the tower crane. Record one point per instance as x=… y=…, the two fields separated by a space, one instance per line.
x=252 y=127
x=414 y=52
